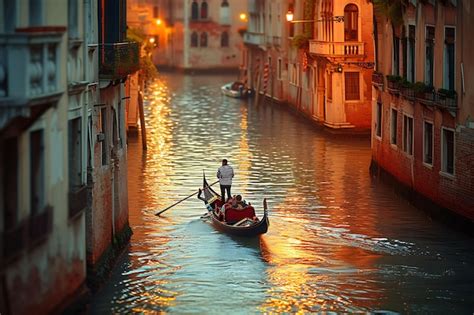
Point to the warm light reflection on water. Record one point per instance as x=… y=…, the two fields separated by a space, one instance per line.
x=338 y=241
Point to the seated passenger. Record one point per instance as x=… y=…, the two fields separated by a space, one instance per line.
x=239 y=203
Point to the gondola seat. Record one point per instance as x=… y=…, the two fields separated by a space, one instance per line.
x=233 y=215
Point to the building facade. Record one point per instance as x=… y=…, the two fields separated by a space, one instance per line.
x=193 y=34
x=423 y=104
x=320 y=63
x=59 y=207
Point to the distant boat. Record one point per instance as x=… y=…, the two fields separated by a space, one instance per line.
x=236 y=89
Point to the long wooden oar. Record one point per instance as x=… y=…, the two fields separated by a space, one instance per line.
x=174 y=204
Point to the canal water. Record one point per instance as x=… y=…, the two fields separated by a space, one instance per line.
x=338 y=240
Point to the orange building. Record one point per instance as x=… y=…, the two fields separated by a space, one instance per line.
x=320 y=62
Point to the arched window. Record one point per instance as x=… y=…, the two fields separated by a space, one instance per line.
x=225 y=13
x=225 y=39
x=351 y=23
x=194 y=10
x=203 y=39
x=204 y=10
x=194 y=39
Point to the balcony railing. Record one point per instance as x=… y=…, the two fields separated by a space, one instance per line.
x=29 y=66
x=438 y=99
x=254 y=38
x=118 y=60
x=336 y=49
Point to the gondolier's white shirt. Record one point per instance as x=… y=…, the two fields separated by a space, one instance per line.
x=225 y=174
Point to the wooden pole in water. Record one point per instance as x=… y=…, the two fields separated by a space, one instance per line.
x=142 y=119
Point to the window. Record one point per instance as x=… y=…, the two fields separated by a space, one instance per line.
x=75 y=153
x=203 y=42
x=194 y=11
x=9 y=161
x=378 y=120
x=351 y=23
x=37 y=182
x=72 y=19
x=393 y=126
x=447 y=156
x=396 y=55
x=408 y=135
x=411 y=54
x=35 y=12
x=9 y=13
x=279 y=69
x=204 y=10
x=329 y=85
x=429 y=61
x=225 y=39
x=352 y=86
x=225 y=13
x=428 y=142
x=449 y=58
x=103 y=134
x=156 y=12
x=194 y=39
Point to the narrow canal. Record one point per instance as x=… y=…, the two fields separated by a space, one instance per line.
x=338 y=239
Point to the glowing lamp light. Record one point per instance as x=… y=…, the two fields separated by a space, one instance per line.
x=289 y=16
x=243 y=16
x=151 y=40
x=158 y=22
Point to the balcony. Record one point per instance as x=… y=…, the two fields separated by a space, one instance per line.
x=336 y=49
x=254 y=38
x=377 y=80
x=29 y=73
x=118 y=60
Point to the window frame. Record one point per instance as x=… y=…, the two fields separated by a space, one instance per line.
x=431 y=82
x=445 y=61
x=405 y=147
x=443 y=169
x=428 y=122
x=394 y=127
x=378 y=120
x=358 y=99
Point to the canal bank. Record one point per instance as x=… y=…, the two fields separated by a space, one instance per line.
x=353 y=246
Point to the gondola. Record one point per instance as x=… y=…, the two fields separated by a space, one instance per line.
x=245 y=227
x=236 y=89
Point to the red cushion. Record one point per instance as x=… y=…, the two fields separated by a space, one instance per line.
x=234 y=215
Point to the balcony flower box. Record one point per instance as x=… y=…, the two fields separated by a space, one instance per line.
x=393 y=82
x=423 y=92
x=118 y=60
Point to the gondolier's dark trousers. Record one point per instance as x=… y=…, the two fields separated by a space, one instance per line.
x=225 y=188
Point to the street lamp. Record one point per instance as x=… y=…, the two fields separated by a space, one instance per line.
x=290 y=16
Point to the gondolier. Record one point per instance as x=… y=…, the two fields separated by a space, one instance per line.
x=225 y=173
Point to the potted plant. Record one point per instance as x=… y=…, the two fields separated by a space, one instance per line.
x=406 y=88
